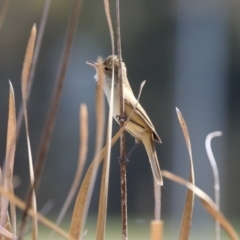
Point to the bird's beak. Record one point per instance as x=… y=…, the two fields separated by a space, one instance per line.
x=91 y=63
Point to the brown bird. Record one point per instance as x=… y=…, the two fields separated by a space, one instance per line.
x=140 y=125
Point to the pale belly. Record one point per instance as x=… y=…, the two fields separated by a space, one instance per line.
x=116 y=101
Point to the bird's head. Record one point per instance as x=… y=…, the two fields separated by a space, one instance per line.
x=108 y=64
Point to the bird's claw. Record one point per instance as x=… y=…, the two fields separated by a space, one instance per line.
x=121 y=119
x=123 y=161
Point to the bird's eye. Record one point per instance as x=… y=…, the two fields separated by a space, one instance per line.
x=107 y=69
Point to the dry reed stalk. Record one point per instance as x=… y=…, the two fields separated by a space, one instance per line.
x=123 y=165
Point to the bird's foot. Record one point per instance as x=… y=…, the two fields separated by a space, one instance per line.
x=121 y=119
x=123 y=161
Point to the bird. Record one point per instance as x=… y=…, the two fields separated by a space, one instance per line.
x=139 y=125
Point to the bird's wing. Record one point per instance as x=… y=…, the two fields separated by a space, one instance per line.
x=139 y=117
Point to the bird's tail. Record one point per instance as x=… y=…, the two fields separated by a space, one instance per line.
x=151 y=152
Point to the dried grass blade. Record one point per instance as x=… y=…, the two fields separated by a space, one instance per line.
x=9 y=163
x=213 y=163
x=82 y=200
x=24 y=84
x=50 y=122
x=100 y=109
x=34 y=60
x=103 y=199
x=207 y=202
x=188 y=208
x=5 y=233
x=83 y=147
x=28 y=61
x=22 y=205
x=102 y=208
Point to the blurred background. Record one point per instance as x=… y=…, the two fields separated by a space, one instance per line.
x=188 y=51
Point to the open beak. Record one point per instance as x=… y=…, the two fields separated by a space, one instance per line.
x=91 y=63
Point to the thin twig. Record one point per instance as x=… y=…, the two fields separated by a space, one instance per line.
x=45 y=142
x=213 y=163
x=123 y=169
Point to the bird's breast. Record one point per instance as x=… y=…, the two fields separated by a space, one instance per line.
x=116 y=101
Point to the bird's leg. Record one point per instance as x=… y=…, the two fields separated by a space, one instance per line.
x=130 y=152
x=120 y=119
x=121 y=161
x=132 y=149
